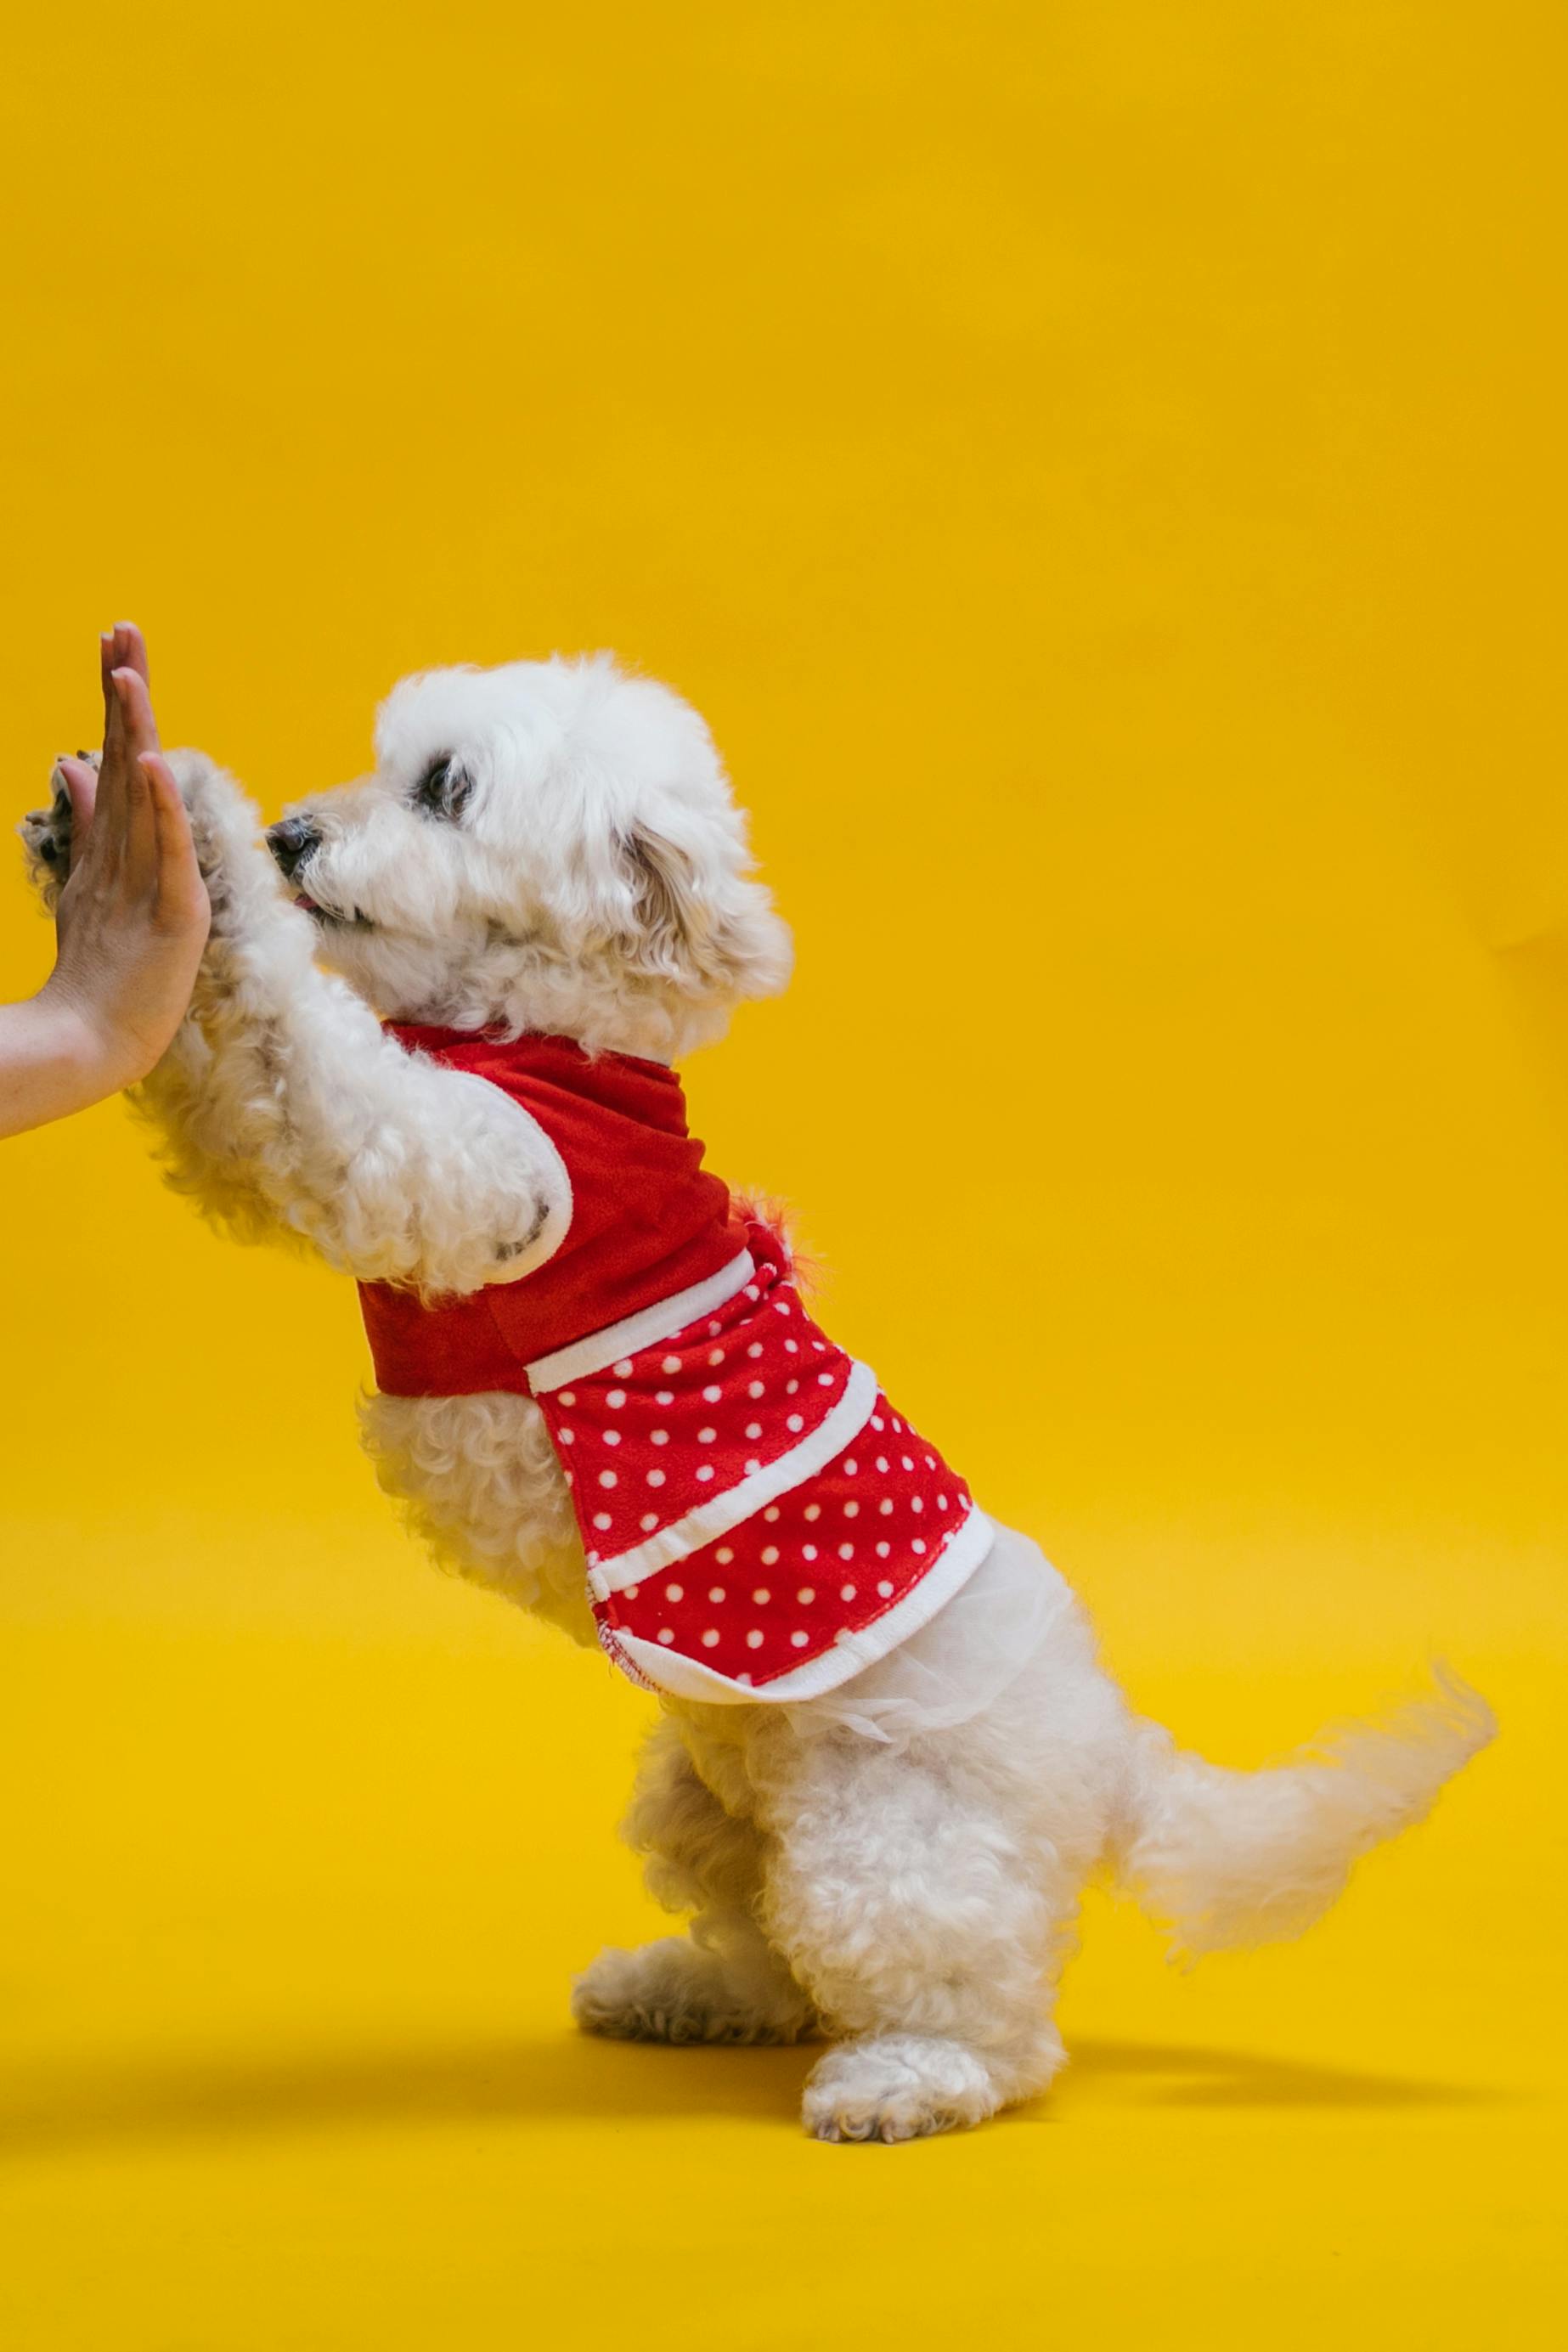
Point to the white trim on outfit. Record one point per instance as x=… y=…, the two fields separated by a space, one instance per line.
x=715 y=1518
x=684 y=1677
x=663 y=1320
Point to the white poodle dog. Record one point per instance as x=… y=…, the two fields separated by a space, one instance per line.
x=887 y=1759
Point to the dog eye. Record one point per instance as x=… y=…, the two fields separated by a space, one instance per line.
x=443 y=789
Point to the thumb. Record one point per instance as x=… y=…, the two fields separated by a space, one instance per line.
x=81 y=781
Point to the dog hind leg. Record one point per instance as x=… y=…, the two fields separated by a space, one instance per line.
x=721 y=1982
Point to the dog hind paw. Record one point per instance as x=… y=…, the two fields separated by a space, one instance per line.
x=673 y=1990
x=897 y=2087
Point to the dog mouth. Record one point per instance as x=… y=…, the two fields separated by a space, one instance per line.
x=352 y=920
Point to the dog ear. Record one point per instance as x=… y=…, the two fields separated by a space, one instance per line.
x=671 y=932
x=713 y=932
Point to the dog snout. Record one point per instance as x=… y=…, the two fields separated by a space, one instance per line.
x=291 y=841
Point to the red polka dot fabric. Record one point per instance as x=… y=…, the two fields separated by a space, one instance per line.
x=758 y=1520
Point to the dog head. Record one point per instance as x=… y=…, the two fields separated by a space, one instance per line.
x=550 y=845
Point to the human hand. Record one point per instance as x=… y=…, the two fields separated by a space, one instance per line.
x=132 y=918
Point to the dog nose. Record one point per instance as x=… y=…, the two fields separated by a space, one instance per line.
x=291 y=841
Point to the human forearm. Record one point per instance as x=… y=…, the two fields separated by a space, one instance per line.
x=53 y=1061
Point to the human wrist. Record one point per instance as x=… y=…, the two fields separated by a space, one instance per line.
x=94 y=1052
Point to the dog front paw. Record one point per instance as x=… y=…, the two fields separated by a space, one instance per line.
x=47 y=837
x=226 y=825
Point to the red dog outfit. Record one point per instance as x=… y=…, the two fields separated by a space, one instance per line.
x=759 y=1523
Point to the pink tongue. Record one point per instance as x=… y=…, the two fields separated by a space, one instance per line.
x=307 y=905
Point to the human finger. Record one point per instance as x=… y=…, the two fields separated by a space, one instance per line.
x=80 y=778
x=130 y=650
x=140 y=733
x=113 y=725
x=182 y=893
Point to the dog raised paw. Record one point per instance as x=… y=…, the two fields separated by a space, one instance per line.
x=46 y=836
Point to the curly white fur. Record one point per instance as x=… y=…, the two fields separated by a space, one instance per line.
x=551 y=847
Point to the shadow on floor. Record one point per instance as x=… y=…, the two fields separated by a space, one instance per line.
x=575 y=2078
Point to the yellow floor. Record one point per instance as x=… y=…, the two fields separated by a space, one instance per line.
x=1099 y=465
x=287 y=2061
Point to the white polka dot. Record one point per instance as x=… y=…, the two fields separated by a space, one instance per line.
x=715 y=1593
x=792 y=1388
x=753 y=1642
x=664 y=1396
x=799 y=1640
x=706 y=1436
x=851 y=1510
x=814 y=1510
x=771 y=1512
x=744 y=1678
x=709 y=1640
x=755 y=1349
x=753 y=1388
x=659 y=1436
x=820 y=1346
x=715 y=1355
x=898 y=1425
x=847 y=1593
x=675 y=1592
x=770 y=1553
x=623 y=1370
x=845 y=1551
x=917 y=1502
x=807 y=1595
x=669 y=1363
x=752 y=1291
x=825 y=1379
x=761 y=1596
x=712 y=1394
x=877 y=1422
x=592 y=1559
x=850 y=1468
x=612 y=1436
x=808 y=1551
x=885 y=1589
x=751 y=1465
x=568 y=1397
x=882 y=1463
x=780 y=1306
x=713 y=1330
x=705 y=1471
x=931 y=1461
x=649 y=1519
x=906 y=1462
x=665 y=1635
x=631 y=1592
x=918 y=1545
x=942 y=1502
x=656 y=1477
x=883 y=1549
x=791 y=1347
x=886 y=1507
x=615 y=1398
x=795 y=1422
x=723 y=1555
x=607 y=1478
x=602 y=1519
x=753 y=1429
x=568 y=1436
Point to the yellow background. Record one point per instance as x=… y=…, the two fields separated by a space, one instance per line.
x=1099 y=467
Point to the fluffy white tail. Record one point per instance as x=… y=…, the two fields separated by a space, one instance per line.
x=1225 y=1858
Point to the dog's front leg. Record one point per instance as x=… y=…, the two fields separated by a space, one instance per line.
x=289 y=1106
